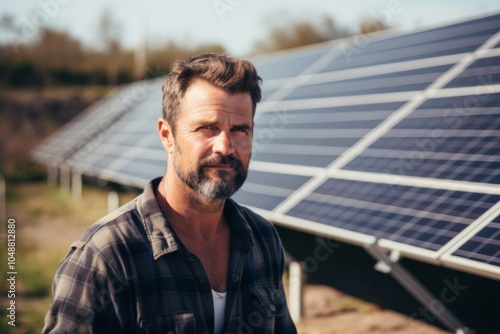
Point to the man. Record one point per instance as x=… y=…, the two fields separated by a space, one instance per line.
x=183 y=257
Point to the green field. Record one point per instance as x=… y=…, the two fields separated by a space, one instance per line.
x=47 y=221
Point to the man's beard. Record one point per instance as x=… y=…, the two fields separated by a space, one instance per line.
x=206 y=187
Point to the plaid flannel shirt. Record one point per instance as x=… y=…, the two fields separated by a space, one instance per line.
x=129 y=273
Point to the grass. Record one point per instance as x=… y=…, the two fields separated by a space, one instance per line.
x=47 y=221
x=35 y=279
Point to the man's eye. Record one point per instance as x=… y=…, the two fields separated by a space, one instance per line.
x=241 y=129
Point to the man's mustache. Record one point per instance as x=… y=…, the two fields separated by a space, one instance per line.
x=221 y=160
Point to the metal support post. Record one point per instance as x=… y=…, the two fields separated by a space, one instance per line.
x=76 y=186
x=416 y=289
x=295 y=288
x=113 y=201
x=52 y=176
x=65 y=179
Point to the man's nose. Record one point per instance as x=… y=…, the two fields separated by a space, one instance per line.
x=223 y=144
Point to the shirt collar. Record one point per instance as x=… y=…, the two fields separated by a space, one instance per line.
x=162 y=238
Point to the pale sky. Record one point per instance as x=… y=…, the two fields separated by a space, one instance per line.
x=236 y=24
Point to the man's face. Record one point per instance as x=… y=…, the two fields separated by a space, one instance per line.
x=213 y=140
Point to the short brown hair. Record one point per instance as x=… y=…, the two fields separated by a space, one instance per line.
x=230 y=74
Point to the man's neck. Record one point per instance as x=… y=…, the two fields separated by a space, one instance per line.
x=187 y=213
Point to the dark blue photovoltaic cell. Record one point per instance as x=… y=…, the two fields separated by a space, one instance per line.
x=461 y=106
x=261 y=201
x=99 y=155
x=341 y=126
x=288 y=65
x=150 y=162
x=267 y=93
x=419 y=165
x=356 y=88
x=336 y=125
x=332 y=142
x=286 y=181
x=145 y=171
x=294 y=159
x=125 y=139
x=99 y=162
x=90 y=129
x=484 y=246
x=121 y=148
x=386 y=83
x=487 y=145
x=483 y=72
x=421 y=217
x=473 y=122
x=265 y=190
x=468 y=28
x=66 y=140
x=453 y=39
x=377 y=107
x=460 y=143
x=282 y=116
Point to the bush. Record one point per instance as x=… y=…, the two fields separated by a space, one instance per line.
x=24 y=73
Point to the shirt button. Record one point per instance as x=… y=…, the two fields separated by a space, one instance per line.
x=203 y=280
x=236 y=278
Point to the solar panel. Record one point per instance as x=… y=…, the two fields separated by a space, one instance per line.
x=267 y=190
x=484 y=71
x=454 y=39
x=439 y=140
x=129 y=150
x=389 y=138
x=409 y=80
x=85 y=132
x=422 y=217
x=273 y=67
x=483 y=246
x=314 y=137
x=479 y=247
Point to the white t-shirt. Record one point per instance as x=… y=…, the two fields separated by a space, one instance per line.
x=219 y=299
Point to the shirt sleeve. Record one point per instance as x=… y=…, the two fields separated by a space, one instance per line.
x=88 y=296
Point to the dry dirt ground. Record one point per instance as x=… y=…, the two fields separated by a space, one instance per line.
x=327 y=310
x=49 y=221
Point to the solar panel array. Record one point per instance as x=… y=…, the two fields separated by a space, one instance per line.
x=114 y=139
x=392 y=138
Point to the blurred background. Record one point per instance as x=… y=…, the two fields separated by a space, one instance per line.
x=57 y=57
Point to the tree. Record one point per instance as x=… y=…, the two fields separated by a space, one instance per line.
x=299 y=33
x=55 y=48
x=161 y=58
x=110 y=34
x=369 y=26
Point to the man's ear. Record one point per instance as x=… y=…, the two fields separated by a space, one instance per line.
x=166 y=135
